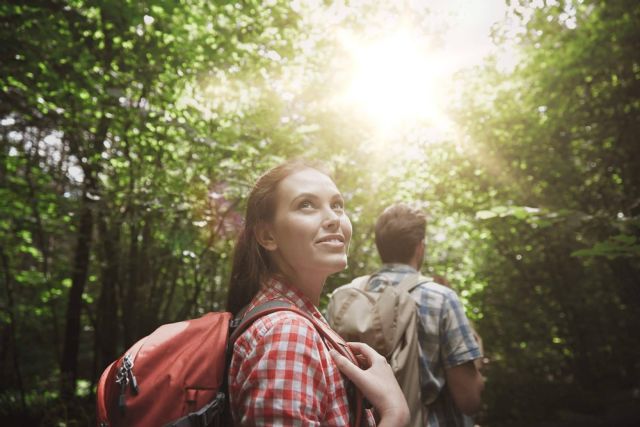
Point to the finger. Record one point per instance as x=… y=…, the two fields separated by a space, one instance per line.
x=363 y=361
x=345 y=365
x=363 y=354
x=340 y=360
x=361 y=358
x=359 y=347
x=364 y=349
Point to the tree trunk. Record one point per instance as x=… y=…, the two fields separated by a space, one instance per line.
x=106 y=336
x=130 y=297
x=13 y=327
x=69 y=363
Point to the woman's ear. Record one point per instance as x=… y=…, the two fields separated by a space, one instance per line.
x=265 y=237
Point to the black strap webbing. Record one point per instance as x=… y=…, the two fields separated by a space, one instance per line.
x=203 y=417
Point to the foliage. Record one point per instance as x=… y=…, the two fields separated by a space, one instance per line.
x=116 y=218
x=131 y=132
x=554 y=144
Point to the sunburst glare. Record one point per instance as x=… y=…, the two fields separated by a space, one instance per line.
x=396 y=79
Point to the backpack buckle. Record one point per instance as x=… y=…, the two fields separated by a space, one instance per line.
x=205 y=416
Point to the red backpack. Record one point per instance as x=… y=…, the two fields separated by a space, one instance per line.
x=177 y=375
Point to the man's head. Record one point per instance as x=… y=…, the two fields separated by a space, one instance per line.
x=400 y=232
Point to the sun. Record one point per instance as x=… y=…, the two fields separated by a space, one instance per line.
x=396 y=79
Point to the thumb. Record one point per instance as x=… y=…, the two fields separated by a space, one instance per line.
x=345 y=365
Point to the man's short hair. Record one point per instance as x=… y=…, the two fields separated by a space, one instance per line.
x=398 y=230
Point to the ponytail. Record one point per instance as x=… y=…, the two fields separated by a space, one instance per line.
x=247 y=272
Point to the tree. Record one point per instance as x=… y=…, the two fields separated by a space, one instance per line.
x=561 y=262
x=94 y=102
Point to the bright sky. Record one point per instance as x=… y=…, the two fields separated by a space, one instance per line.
x=403 y=74
x=398 y=65
x=468 y=39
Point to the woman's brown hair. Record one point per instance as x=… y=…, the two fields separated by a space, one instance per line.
x=251 y=265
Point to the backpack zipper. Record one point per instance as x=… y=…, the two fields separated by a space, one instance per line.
x=124 y=378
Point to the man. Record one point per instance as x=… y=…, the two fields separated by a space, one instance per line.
x=450 y=382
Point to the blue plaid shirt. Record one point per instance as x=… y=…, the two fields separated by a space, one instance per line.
x=446 y=340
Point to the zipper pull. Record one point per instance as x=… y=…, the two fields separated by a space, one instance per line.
x=134 y=383
x=122 y=380
x=122 y=404
x=127 y=364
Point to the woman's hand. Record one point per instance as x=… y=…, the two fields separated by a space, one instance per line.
x=377 y=383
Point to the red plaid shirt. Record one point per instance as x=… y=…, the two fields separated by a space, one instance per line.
x=282 y=373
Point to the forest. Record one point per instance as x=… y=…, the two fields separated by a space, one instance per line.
x=132 y=131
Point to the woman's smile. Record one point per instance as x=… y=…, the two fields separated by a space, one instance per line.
x=333 y=241
x=310 y=232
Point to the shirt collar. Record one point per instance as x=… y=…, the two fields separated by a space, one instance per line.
x=277 y=289
x=397 y=268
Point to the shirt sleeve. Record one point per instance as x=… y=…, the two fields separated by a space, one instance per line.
x=282 y=376
x=458 y=344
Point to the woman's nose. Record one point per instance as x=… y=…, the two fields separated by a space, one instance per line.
x=332 y=219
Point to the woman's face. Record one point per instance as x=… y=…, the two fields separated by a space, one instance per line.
x=310 y=232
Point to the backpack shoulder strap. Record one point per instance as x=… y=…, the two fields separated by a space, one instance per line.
x=244 y=320
x=410 y=282
x=361 y=282
x=277 y=305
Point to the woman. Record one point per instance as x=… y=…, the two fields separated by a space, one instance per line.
x=282 y=372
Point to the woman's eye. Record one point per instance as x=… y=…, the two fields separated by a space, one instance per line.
x=337 y=206
x=305 y=204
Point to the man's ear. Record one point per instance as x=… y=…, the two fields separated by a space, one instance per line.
x=418 y=255
x=265 y=237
